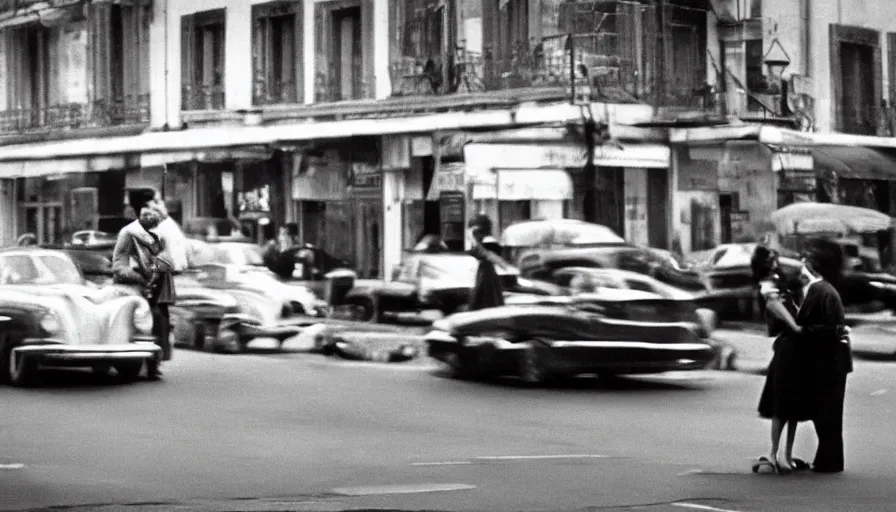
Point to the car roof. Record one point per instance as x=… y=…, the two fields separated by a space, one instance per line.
x=29 y=249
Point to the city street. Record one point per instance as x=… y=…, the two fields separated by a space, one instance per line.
x=305 y=432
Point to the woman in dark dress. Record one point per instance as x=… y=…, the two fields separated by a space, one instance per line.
x=786 y=396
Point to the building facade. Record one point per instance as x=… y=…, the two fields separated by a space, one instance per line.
x=363 y=124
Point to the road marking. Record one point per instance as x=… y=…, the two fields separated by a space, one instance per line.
x=542 y=457
x=695 y=506
x=12 y=466
x=879 y=392
x=401 y=489
x=447 y=463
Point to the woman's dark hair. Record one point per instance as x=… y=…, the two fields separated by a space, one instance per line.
x=762 y=262
x=824 y=258
x=482 y=223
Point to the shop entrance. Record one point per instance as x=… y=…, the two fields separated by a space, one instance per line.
x=44 y=220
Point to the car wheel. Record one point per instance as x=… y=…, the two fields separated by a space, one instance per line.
x=15 y=371
x=229 y=342
x=459 y=368
x=532 y=368
x=130 y=371
x=365 y=309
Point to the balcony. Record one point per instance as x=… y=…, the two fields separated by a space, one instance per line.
x=130 y=111
x=621 y=54
x=202 y=97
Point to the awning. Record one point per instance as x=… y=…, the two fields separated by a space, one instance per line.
x=159 y=159
x=853 y=162
x=482 y=157
x=451 y=177
x=238 y=136
x=38 y=168
x=524 y=185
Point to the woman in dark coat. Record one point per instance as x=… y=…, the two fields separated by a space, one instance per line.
x=487 y=292
x=786 y=396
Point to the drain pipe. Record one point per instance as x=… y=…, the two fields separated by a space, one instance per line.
x=806 y=29
x=165 y=46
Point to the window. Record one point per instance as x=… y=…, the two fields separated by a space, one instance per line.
x=202 y=60
x=28 y=78
x=639 y=286
x=857 y=78
x=277 y=53
x=344 y=50
x=119 y=52
x=756 y=83
x=424 y=46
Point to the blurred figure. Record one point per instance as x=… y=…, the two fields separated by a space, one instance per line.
x=173 y=238
x=138 y=260
x=487 y=291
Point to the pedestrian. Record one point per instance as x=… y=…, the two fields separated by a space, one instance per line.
x=823 y=321
x=487 y=290
x=138 y=259
x=785 y=396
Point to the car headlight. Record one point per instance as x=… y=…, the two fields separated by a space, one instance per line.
x=143 y=319
x=50 y=323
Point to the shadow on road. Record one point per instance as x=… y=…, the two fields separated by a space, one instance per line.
x=65 y=379
x=874 y=356
x=589 y=383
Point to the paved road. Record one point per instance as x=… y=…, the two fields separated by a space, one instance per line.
x=301 y=432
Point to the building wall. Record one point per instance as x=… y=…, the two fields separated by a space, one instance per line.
x=786 y=15
x=238 y=53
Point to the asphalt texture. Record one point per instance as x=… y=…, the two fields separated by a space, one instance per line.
x=297 y=431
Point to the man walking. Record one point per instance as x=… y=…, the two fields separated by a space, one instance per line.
x=822 y=318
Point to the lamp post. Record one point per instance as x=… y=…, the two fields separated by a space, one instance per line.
x=776 y=62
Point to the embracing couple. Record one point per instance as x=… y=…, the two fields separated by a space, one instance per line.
x=806 y=378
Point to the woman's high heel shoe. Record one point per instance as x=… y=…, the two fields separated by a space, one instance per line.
x=773 y=465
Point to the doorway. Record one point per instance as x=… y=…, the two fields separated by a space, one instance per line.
x=728 y=202
x=44 y=221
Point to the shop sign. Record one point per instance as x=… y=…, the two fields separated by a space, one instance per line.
x=449 y=178
x=798 y=180
x=738 y=220
x=421 y=146
x=365 y=175
x=697 y=175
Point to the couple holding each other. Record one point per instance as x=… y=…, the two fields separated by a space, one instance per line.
x=806 y=378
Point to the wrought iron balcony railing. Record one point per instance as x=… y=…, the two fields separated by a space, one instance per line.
x=202 y=97
x=100 y=113
x=273 y=93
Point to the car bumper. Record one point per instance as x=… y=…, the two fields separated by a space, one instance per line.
x=53 y=352
x=279 y=332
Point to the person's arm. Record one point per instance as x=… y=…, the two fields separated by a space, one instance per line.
x=775 y=306
x=121 y=261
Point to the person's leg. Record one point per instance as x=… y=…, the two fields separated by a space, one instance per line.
x=777 y=430
x=829 y=426
x=791 y=438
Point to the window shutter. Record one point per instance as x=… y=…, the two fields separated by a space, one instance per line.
x=322 y=53
x=259 y=47
x=298 y=57
x=187 y=64
x=367 y=43
x=100 y=20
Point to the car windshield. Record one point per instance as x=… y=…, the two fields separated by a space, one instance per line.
x=47 y=269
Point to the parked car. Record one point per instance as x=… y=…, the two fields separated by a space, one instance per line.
x=424 y=281
x=50 y=316
x=540 y=342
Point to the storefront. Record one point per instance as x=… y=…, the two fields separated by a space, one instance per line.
x=545 y=180
x=53 y=199
x=338 y=194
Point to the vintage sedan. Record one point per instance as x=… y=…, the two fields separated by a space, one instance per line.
x=52 y=317
x=541 y=342
x=424 y=281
